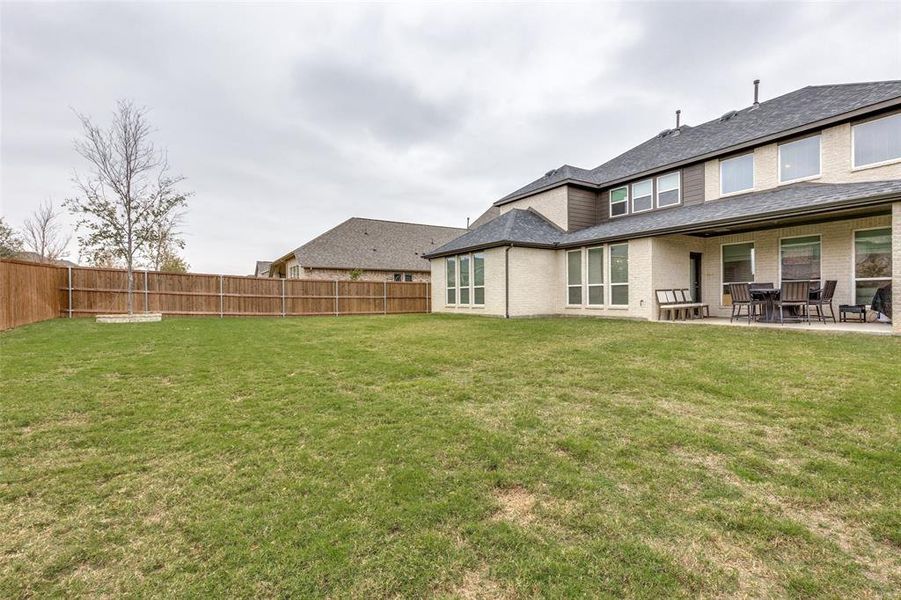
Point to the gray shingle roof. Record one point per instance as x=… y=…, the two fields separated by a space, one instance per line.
x=784 y=113
x=516 y=226
x=262 y=268
x=798 y=198
x=377 y=245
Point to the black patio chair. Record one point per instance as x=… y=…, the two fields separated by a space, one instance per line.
x=741 y=296
x=794 y=294
x=822 y=299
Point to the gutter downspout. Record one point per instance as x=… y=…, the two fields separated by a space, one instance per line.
x=507 y=281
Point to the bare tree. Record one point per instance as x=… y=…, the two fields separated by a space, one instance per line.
x=128 y=192
x=43 y=233
x=10 y=244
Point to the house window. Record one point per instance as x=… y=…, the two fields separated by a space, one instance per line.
x=619 y=275
x=464 y=279
x=619 y=201
x=668 y=190
x=574 y=277
x=800 y=258
x=397 y=277
x=737 y=174
x=294 y=272
x=478 y=278
x=642 y=195
x=872 y=262
x=877 y=142
x=738 y=267
x=408 y=277
x=596 y=276
x=799 y=160
x=451 y=279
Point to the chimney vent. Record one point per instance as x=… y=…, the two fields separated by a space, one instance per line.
x=678 y=115
x=756 y=92
x=467 y=222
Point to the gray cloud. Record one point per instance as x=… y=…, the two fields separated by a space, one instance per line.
x=287 y=119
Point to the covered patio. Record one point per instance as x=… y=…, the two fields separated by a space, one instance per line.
x=874 y=328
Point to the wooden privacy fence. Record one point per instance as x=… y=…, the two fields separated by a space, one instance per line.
x=83 y=291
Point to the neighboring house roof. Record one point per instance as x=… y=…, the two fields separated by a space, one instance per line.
x=791 y=200
x=377 y=245
x=262 y=268
x=808 y=106
x=522 y=227
x=35 y=257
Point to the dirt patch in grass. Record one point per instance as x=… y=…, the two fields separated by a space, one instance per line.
x=877 y=560
x=477 y=585
x=516 y=505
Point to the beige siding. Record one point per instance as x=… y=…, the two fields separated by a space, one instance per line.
x=582 y=208
x=495 y=281
x=835 y=164
x=552 y=204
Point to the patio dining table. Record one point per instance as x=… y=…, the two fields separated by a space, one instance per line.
x=769 y=296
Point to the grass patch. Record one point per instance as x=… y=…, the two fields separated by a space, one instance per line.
x=447 y=456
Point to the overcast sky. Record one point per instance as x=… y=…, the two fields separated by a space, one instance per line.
x=288 y=119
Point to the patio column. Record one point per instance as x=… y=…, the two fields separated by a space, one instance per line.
x=896 y=266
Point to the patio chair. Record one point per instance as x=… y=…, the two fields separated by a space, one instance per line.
x=794 y=294
x=741 y=296
x=823 y=299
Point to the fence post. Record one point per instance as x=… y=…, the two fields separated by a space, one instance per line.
x=283 y=297
x=221 y=304
x=336 y=297
x=70 y=292
x=385 y=298
x=146 y=301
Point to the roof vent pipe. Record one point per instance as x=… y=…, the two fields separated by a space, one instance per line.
x=678 y=115
x=756 y=92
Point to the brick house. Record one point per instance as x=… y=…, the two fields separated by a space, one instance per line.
x=806 y=186
x=366 y=250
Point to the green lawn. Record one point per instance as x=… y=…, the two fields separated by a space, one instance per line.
x=447 y=456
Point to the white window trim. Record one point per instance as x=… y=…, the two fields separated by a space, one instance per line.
x=819 y=236
x=753 y=177
x=891 y=161
x=651 y=196
x=854 y=277
x=806 y=177
x=656 y=189
x=611 y=203
x=581 y=285
x=603 y=284
x=456 y=281
x=473 y=286
x=468 y=286
x=723 y=281
x=611 y=285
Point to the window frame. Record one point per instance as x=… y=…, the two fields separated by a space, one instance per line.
x=625 y=201
x=753 y=175
x=854 y=277
x=649 y=180
x=611 y=284
x=795 y=237
x=474 y=286
x=819 y=173
x=602 y=284
x=461 y=286
x=448 y=288
x=678 y=188
x=723 y=282
x=854 y=126
x=580 y=285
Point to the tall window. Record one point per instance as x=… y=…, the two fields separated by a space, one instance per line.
x=737 y=174
x=451 y=279
x=872 y=262
x=464 y=279
x=596 y=276
x=642 y=195
x=738 y=266
x=800 y=258
x=408 y=277
x=800 y=159
x=877 y=141
x=619 y=274
x=668 y=189
x=619 y=201
x=478 y=278
x=574 y=277
x=294 y=272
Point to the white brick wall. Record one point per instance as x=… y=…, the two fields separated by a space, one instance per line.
x=494 y=286
x=533 y=282
x=896 y=265
x=835 y=164
x=552 y=204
